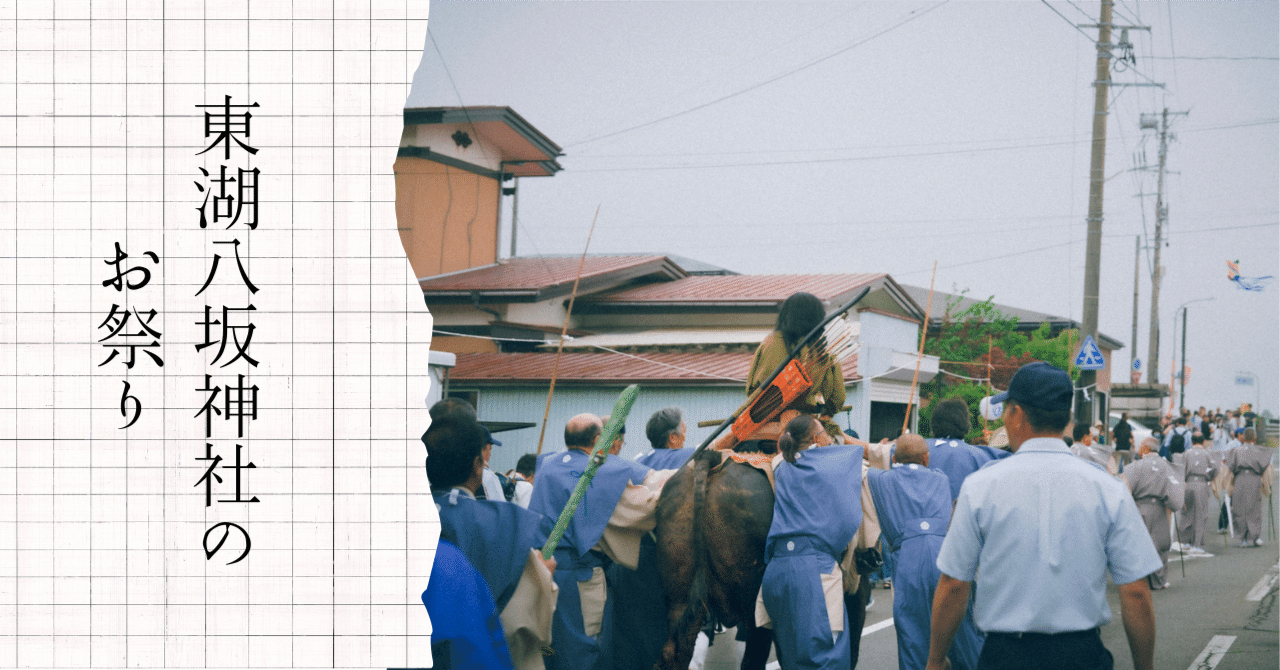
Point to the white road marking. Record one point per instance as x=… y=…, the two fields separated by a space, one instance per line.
x=1213 y=653
x=1265 y=584
x=866 y=630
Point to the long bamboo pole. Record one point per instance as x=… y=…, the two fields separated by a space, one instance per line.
x=555 y=370
x=924 y=330
x=599 y=453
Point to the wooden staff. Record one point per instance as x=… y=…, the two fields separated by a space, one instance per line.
x=598 y=455
x=985 y=432
x=804 y=341
x=555 y=369
x=923 y=331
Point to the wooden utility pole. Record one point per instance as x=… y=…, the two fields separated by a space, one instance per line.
x=1093 y=242
x=1157 y=272
x=1133 y=341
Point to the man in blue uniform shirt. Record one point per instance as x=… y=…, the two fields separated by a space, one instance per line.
x=948 y=452
x=1038 y=532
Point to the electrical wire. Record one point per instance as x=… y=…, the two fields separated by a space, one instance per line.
x=913 y=15
x=1173 y=54
x=854 y=159
x=1064 y=18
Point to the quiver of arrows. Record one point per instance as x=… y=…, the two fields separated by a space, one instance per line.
x=837 y=342
x=792 y=383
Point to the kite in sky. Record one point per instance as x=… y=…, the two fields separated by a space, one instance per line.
x=1246 y=283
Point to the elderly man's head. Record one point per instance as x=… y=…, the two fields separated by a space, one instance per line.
x=666 y=429
x=911 y=448
x=1250 y=435
x=582 y=431
x=1149 y=444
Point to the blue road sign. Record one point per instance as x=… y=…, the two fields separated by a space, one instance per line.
x=1090 y=357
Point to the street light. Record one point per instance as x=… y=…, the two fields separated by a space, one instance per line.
x=1182 y=394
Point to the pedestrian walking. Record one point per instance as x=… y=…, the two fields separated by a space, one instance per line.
x=1046 y=527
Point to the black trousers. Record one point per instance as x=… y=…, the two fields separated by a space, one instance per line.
x=1040 y=651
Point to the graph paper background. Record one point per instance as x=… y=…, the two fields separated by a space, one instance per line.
x=101 y=555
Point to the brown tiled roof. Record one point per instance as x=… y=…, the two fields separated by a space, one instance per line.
x=740 y=289
x=544 y=277
x=685 y=368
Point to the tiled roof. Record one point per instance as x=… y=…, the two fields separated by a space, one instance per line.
x=740 y=289
x=535 y=275
x=685 y=368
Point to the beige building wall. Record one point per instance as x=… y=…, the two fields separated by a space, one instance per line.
x=447 y=217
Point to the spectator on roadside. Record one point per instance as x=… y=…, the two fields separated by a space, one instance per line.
x=523 y=477
x=1177 y=440
x=1086 y=448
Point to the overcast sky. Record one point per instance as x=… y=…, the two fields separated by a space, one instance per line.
x=880 y=137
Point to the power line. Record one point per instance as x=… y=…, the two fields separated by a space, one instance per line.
x=1172 y=54
x=1069 y=22
x=1213 y=57
x=911 y=17
x=1208 y=230
x=850 y=159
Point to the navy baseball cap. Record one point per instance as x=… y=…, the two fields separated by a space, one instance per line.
x=489 y=438
x=1039 y=385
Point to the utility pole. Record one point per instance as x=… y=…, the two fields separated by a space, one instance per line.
x=1097 y=159
x=1157 y=272
x=1093 y=242
x=1133 y=342
x=1182 y=394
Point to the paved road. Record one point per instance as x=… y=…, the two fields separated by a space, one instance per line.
x=1227 y=602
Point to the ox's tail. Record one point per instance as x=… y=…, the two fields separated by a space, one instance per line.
x=696 y=607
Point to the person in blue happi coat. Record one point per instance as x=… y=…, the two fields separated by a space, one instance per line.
x=640 y=627
x=666 y=433
x=500 y=539
x=465 y=630
x=816 y=512
x=914 y=507
x=617 y=510
x=948 y=452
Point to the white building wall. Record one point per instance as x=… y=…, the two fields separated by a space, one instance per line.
x=879 y=330
x=528 y=404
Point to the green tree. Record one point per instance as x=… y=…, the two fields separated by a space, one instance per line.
x=979 y=342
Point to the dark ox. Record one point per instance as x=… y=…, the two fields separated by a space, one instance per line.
x=712 y=522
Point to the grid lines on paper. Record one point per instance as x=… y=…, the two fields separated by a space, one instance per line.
x=102 y=563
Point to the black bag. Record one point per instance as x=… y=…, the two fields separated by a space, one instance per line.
x=1177 y=443
x=508 y=486
x=867 y=561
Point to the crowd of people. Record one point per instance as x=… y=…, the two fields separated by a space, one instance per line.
x=998 y=553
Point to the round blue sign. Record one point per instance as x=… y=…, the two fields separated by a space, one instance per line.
x=1137 y=364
